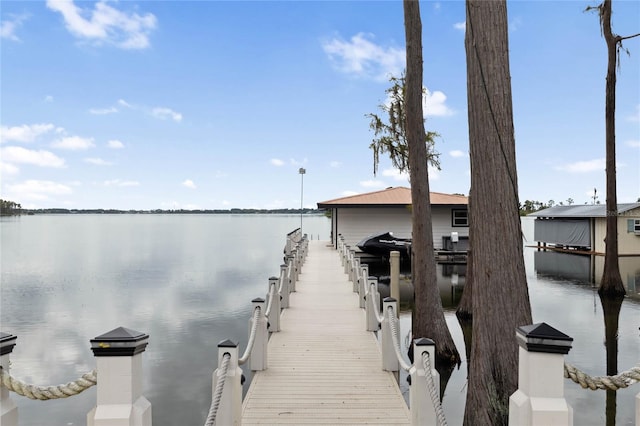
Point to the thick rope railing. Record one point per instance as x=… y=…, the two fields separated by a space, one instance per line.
x=393 y=326
x=252 y=337
x=44 y=393
x=217 y=393
x=433 y=393
x=272 y=291
x=619 y=381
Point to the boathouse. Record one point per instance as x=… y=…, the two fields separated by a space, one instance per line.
x=585 y=227
x=358 y=216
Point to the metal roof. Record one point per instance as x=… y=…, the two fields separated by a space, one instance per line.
x=394 y=196
x=586 y=210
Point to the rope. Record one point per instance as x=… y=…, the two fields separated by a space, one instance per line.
x=252 y=336
x=435 y=400
x=282 y=277
x=375 y=302
x=272 y=288
x=44 y=393
x=396 y=339
x=217 y=392
x=619 y=381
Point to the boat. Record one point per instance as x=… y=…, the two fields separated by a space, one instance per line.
x=385 y=243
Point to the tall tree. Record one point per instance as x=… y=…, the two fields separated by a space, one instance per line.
x=500 y=294
x=611 y=283
x=428 y=315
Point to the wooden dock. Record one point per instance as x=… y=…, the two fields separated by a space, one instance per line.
x=323 y=366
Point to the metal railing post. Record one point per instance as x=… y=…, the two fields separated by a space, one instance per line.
x=8 y=408
x=389 y=359
x=422 y=410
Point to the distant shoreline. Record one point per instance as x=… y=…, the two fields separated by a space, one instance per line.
x=179 y=211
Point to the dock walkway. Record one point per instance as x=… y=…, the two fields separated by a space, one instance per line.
x=323 y=366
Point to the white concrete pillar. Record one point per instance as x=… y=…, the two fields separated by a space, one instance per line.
x=8 y=408
x=119 y=363
x=389 y=359
x=423 y=413
x=284 y=286
x=394 y=286
x=258 y=357
x=230 y=408
x=371 y=307
x=539 y=399
x=274 y=315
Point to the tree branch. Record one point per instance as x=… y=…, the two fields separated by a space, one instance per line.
x=619 y=38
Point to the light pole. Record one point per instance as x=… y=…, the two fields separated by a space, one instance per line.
x=302 y=171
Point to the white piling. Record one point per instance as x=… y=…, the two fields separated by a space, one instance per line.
x=258 y=357
x=389 y=359
x=230 y=408
x=274 y=314
x=8 y=408
x=372 y=304
x=423 y=413
x=394 y=286
x=284 y=285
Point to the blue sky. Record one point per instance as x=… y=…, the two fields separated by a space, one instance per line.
x=211 y=104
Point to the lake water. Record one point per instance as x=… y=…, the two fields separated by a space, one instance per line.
x=187 y=281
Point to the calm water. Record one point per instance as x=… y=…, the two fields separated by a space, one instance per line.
x=187 y=281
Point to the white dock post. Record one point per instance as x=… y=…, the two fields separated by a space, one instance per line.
x=284 y=284
x=291 y=272
x=119 y=362
x=638 y=409
x=347 y=260
x=423 y=413
x=274 y=314
x=394 y=285
x=389 y=359
x=372 y=305
x=539 y=399
x=357 y=273
x=8 y=408
x=230 y=408
x=258 y=357
x=362 y=285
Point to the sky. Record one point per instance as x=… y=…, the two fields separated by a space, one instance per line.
x=218 y=104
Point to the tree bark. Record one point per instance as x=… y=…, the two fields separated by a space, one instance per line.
x=428 y=315
x=611 y=283
x=500 y=294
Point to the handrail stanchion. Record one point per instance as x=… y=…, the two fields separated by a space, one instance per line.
x=372 y=305
x=362 y=285
x=274 y=309
x=119 y=363
x=8 y=408
x=389 y=359
x=422 y=410
x=540 y=377
x=284 y=286
x=258 y=357
x=229 y=411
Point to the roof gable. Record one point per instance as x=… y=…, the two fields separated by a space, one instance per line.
x=586 y=210
x=394 y=196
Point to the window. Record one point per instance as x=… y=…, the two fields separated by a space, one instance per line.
x=634 y=226
x=459 y=218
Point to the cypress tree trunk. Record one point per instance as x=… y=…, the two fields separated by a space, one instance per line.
x=500 y=294
x=428 y=315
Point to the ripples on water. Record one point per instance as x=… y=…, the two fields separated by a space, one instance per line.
x=187 y=281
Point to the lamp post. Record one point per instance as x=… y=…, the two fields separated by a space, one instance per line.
x=302 y=171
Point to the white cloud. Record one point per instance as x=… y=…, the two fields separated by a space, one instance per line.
x=226 y=203
x=164 y=113
x=106 y=24
x=73 y=143
x=16 y=154
x=456 y=153
x=635 y=117
x=48 y=99
x=349 y=193
x=433 y=104
x=97 y=162
x=124 y=103
x=597 y=164
x=396 y=174
x=7 y=169
x=115 y=144
x=189 y=184
x=461 y=26
x=515 y=24
x=436 y=6
x=38 y=189
x=362 y=58
x=335 y=164
x=103 y=111
x=372 y=184
x=24 y=133
x=121 y=183
x=633 y=144
x=9 y=27
x=276 y=162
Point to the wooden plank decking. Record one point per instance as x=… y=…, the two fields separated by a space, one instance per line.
x=323 y=366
